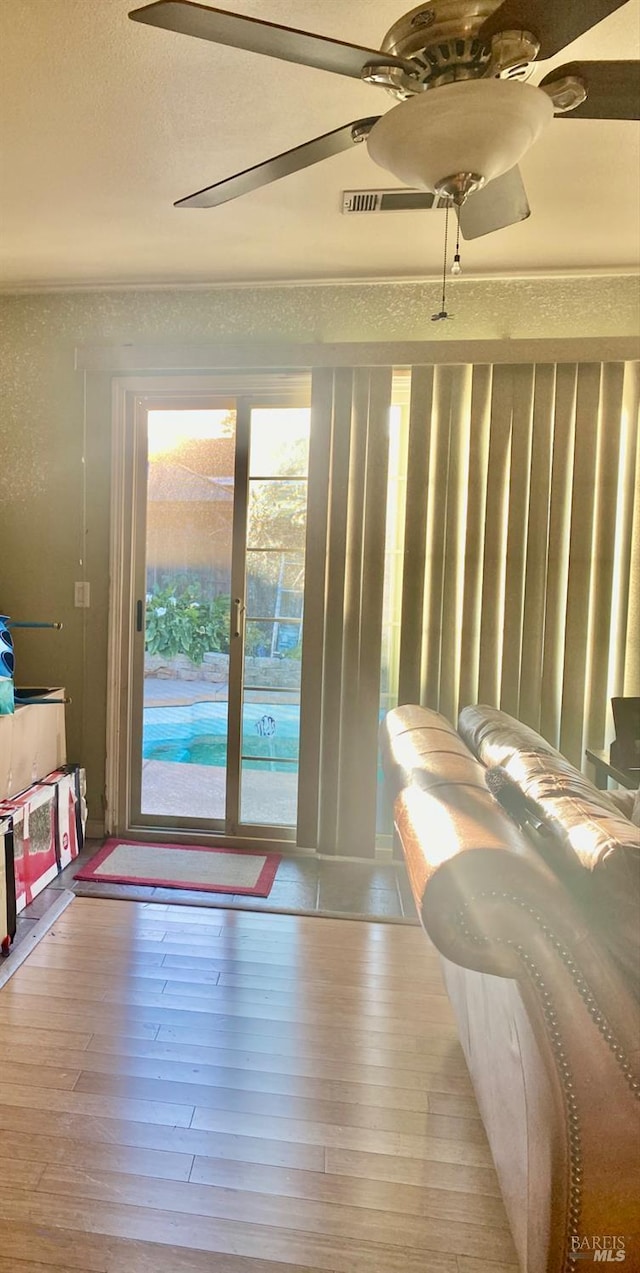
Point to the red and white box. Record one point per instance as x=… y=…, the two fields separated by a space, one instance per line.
x=67 y=812
x=33 y=821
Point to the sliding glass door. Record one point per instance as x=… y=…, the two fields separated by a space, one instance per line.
x=218 y=541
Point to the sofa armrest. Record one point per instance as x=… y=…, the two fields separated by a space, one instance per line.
x=484 y=894
x=489 y=903
x=466 y=860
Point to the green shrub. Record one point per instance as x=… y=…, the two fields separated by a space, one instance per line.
x=179 y=621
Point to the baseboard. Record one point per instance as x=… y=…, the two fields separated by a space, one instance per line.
x=61 y=898
x=94 y=829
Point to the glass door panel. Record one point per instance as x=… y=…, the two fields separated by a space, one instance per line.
x=277 y=514
x=276 y=529
x=275 y=579
x=189 y=537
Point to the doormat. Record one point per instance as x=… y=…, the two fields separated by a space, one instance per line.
x=190 y=866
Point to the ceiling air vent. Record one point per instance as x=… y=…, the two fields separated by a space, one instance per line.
x=357 y=201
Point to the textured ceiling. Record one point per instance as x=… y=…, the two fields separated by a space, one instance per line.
x=104 y=122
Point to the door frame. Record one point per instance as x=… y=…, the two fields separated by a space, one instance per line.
x=132 y=396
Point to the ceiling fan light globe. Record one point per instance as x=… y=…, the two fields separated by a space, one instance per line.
x=474 y=126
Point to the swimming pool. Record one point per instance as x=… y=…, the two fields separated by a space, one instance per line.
x=196 y=734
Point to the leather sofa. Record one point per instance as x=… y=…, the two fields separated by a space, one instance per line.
x=535 y=913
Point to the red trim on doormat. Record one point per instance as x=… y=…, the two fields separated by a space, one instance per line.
x=262 y=886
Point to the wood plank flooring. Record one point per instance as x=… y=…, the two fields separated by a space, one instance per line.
x=190 y=1090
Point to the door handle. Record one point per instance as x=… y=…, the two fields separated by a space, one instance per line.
x=238 y=612
x=138 y=616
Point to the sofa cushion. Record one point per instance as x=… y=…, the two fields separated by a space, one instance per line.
x=586 y=839
x=497 y=738
x=410 y=736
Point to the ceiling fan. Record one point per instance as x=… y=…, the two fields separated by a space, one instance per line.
x=458 y=68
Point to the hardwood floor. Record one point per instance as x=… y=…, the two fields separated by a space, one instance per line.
x=185 y=1091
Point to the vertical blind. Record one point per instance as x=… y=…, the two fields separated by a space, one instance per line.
x=344 y=584
x=520 y=579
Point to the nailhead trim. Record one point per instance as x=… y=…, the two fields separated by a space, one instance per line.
x=551 y=1022
x=589 y=1000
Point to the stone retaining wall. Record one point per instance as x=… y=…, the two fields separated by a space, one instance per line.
x=279 y=673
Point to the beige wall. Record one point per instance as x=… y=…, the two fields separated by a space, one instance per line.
x=51 y=522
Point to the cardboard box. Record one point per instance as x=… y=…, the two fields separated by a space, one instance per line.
x=32 y=744
x=69 y=821
x=33 y=824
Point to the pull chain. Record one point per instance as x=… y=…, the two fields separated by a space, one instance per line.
x=436 y=318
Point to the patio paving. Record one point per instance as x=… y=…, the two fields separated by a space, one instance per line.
x=198 y=791
x=159 y=692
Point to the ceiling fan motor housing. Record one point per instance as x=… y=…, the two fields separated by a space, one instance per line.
x=443 y=39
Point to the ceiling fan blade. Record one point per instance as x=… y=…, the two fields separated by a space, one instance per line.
x=282 y=42
x=613 y=89
x=312 y=152
x=555 y=23
x=503 y=202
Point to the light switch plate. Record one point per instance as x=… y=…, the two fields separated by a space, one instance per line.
x=82 y=595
